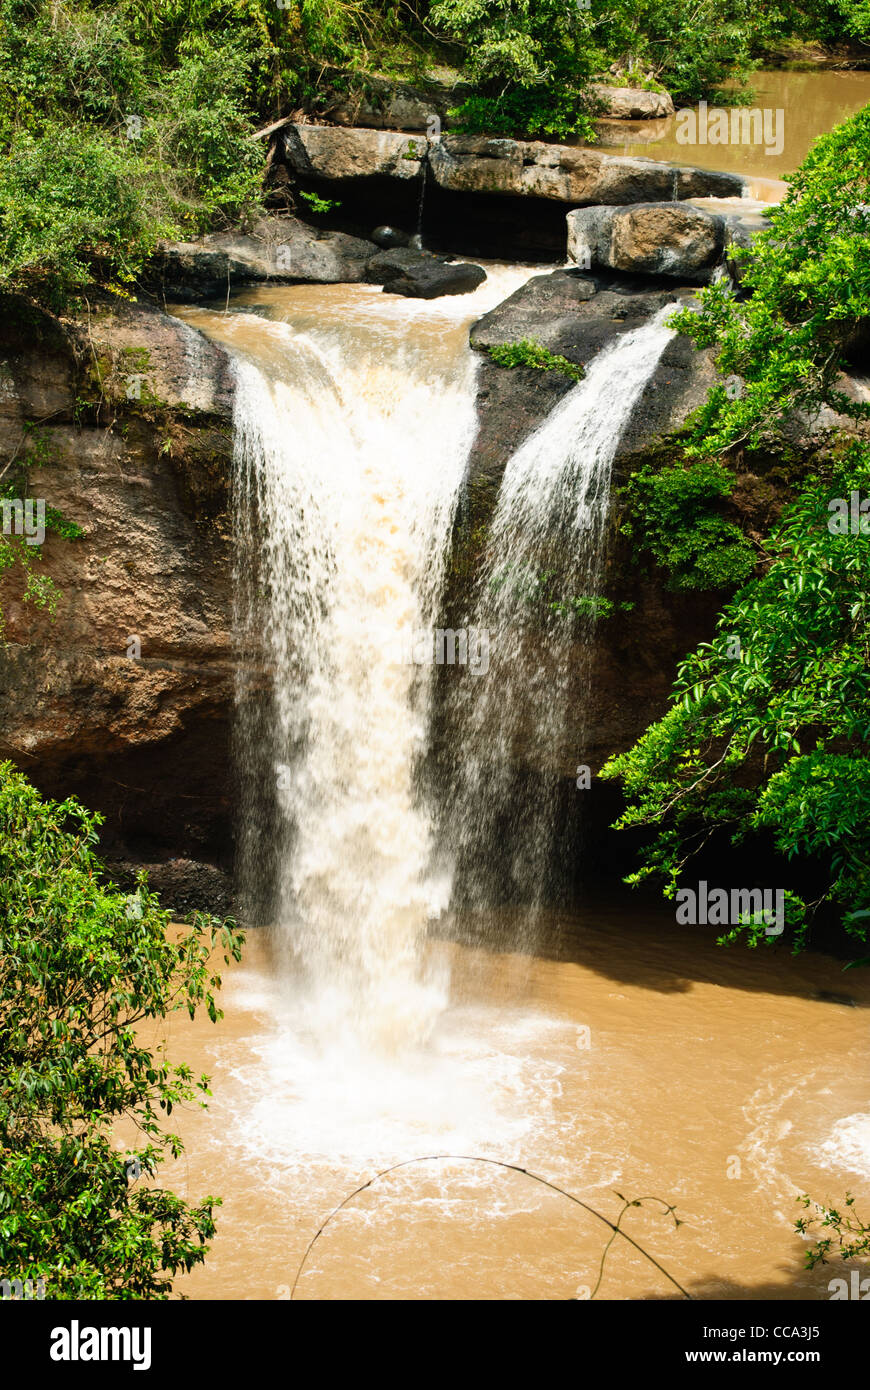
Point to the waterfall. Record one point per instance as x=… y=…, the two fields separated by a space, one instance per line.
x=424 y=171
x=349 y=462
x=521 y=730
x=354 y=418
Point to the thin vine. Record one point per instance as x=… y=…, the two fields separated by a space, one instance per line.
x=615 y=1228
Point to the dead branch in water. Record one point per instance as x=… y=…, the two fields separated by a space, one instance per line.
x=615 y=1228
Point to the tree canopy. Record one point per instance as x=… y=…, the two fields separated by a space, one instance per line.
x=768 y=732
x=82 y=967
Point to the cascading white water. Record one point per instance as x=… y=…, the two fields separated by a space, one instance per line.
x=547 y=526
x=353 y=420
x=349 y=463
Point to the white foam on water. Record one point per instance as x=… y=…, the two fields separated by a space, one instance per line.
x=848 y=1145
x=487 y=1082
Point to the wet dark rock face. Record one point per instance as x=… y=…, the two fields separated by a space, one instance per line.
x=182 y=885
x=576 y=315
x=418 y=275
x=134 y=412
x=672 y=239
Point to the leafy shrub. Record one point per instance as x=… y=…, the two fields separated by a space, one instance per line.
x=831 y=21
x=71 y=207
x=769 y=730
x=99 y=160
x=593 y=607
x=529 y=62
x=691 y=47
x=806 y=288
x=78 y=60
x=199 y=134
x=674 y=514
x=319 y=205
x=82 y=966
x=528 y=353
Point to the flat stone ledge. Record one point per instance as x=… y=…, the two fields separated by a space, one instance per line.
x=482 y=164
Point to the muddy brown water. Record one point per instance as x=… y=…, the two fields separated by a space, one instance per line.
x=811 y=103
x=631 y=1056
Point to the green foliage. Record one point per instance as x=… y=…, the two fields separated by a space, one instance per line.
x=589 y=607
x=769 y=730
x=548 y=593
x=837 y=1233
x=68 y=209
x=806 y=288
x=529 y=62
x=199 y=129
x=528 y=353
x=82 y=968
x=691 y=47
x=63 y=58
x=37 y=589
x=832 y=22
x=101 y=156
x=675 y=515
x=319 y=205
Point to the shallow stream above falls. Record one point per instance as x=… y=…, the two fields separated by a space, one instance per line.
x=811 y=104
x=606 y=1049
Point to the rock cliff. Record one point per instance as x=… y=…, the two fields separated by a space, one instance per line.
x=123 y=421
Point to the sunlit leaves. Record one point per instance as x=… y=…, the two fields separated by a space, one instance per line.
x=79 y=975
x=770 y=725
x=805 y=288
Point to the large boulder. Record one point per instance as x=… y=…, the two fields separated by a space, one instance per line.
x=419 y=275
x=671 y=239
x=337 y=153
x=157 y=360
x=278 y=248
x=386 y=104
x=549 y=308
x=632 y=103
x=566 y=173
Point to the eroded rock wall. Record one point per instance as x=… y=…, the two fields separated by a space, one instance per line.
x=123 y=419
